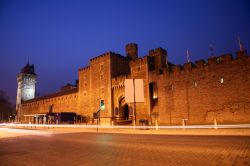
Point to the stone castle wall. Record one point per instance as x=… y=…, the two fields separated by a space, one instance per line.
x=199 y=93
x=58 y=103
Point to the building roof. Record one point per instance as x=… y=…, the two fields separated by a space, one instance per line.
x=28 y=69
x=52 y=95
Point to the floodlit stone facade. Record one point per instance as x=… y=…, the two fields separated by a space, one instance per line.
x=197 y=93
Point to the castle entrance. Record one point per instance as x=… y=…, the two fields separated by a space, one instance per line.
x=123 y=112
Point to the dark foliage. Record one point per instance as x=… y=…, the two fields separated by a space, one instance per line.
x=7 y=110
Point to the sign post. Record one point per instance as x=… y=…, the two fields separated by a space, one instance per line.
x=97 y=115
x=134 y=93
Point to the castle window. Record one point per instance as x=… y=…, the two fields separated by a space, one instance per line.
x=221 y=80
x=195 y=83
x=102 y=90
x=102 y=76
x=102 y=66
x=138 y=68
x=153 y=93
x=161 y=71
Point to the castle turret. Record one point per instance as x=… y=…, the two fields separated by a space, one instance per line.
x=160 y=58
x=26 y=81
x=132 y=50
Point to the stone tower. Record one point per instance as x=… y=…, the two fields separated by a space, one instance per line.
x=26 y=81
x=132 y=51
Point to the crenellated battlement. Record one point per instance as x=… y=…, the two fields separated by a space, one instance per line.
x=176 y=68
x=101 y=56
x=119 y=56
x=118 y=82
x=200 y=63
x=211 y=62
x=139 y=61
x=157 y=51
x=188 y=66
x=84 y=68
x=241 y=54
x=109 y=53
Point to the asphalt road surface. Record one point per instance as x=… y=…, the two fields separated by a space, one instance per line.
x=94 y=149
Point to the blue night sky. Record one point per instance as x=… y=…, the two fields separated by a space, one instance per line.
x=60 y=36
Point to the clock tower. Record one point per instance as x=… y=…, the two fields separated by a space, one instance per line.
x=26 y=81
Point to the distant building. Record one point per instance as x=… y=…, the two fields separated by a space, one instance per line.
x=198 y=93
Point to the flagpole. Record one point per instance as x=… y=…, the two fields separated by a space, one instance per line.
x=211 y=50
x=188 y=56
x=240 y=44
x=134 y=113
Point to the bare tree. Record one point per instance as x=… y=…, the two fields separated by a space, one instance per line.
x=7 y=110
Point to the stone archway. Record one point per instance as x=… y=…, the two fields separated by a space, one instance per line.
x=123 y=109
x=121 y=104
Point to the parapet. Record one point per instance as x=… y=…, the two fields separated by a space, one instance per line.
x=68 y=86
x=241 y=54
x=118 y=82
x=118 y=56
x=188 y=66
x=100 y=56
x=220 y=59
x=176 y=68
x=84 y=68
x=226 y=58
x=52 y=96
x=157 y=51
x=212 y=60
x=139 y=61
x=200 y=63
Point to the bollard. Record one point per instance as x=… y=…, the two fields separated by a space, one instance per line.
x=134 y=124
x=215 y=124
x=112 y=123
x=156 y=124
x=183 y=123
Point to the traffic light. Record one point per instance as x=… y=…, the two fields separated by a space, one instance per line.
x=102 y=105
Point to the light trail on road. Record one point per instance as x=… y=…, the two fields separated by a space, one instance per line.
x=12 y=132
x=232 y=126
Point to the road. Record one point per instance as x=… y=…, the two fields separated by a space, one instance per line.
x=104 y=149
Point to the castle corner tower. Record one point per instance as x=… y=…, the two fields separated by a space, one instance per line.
x=26 y=81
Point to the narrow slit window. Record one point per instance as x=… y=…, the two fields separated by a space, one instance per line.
x=221 y=80
x=195 y=84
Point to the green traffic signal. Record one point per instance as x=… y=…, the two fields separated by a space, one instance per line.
x=102 y=105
